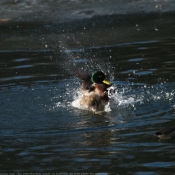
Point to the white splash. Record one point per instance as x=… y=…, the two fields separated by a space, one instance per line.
x=120 y=99
x=77 y=98
x=116 y=99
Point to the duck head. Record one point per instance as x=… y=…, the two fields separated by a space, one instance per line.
x=99 y=78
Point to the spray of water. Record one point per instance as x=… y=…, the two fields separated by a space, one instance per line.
x=126 y=96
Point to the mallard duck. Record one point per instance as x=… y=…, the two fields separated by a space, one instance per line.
x=166 y=133
x=94 y=90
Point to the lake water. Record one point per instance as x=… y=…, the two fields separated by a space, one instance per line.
x=42 y=132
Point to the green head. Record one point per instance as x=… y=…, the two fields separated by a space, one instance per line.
x=99 y=77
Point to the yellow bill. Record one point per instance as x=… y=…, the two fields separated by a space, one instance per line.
x=106 y=82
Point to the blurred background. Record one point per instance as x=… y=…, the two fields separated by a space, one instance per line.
x=81 y=21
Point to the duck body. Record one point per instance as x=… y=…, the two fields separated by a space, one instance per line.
x=166 y=133
x=94 y=90
x=95 y=99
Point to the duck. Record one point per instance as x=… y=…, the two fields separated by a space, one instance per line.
x=94 y=90
x=166 y=133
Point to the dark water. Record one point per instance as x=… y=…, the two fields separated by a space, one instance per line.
x=42 y=132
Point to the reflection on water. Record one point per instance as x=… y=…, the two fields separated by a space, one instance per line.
x=42 y=132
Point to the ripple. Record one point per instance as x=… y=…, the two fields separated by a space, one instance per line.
x=135 y=59
x=17 y=78
x=143 y=72
x=23 y=66
x=159 y=164
x=129 y=71
x=21 y=59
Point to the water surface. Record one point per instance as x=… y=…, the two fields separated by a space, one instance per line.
x=42 y=132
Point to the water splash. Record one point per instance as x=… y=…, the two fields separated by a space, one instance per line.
x=86 y=60
x=129 y=95
x=77 y=97
x=117 y=99
x=121 y=98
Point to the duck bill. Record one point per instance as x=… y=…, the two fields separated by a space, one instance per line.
x=106 y=82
